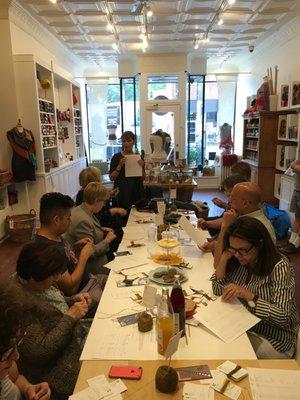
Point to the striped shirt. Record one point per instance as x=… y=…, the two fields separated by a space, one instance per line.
x=276 y=304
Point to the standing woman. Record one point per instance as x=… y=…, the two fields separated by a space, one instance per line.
x=131 y=189
x=251 y=269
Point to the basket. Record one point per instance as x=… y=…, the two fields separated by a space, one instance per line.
x=5 y=177
x=21 y=227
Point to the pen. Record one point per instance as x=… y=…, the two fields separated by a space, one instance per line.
x=224 y=386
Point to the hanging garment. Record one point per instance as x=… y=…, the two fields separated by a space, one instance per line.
x=24 y=158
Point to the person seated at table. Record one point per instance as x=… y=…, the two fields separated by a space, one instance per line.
x=213 y=224
x=241 y=168
x=108 y=216
x=85 y=225
x=251 y=269
x=245 y=199
x=55 y=334
x=13 y=385
x=131 y=189
x=55 y=217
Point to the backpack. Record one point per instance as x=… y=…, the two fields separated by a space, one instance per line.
x=279 y=219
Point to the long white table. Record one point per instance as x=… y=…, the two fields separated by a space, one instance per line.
x=108 y=340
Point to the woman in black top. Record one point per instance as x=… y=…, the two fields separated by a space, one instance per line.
x=131 y=189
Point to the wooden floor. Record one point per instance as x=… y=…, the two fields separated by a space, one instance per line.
x=9 y=250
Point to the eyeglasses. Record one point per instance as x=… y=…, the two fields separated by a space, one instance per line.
x=242 y=251
x=13 y=346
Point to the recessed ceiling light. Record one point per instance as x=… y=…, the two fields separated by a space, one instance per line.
x=221 y=21
x=53 y=1
x=115 y=46
x=110 y=27
x=149 y=13
x=230 y=2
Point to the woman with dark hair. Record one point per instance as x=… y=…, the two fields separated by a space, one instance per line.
x=131 y=189
x=55 y=335
x=14 y=386
x=251 y=269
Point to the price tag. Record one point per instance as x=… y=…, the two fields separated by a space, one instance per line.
x=173 y=193
x=149 y=296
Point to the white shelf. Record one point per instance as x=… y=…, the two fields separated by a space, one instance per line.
x=47 y=124
x=249 y=148
x=44 y=136
x=49 y=147
x=45 y=112
x=78 y=134
x=46 y=101
x=77 y=117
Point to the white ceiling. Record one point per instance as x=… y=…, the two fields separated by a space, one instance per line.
x=82 y=25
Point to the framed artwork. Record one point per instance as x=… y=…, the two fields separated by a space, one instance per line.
x=284 y=96
x=295 y=94
x=282 y=127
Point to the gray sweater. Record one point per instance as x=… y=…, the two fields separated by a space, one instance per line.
x=52 y=345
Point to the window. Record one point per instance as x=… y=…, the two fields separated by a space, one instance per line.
x=163 y=87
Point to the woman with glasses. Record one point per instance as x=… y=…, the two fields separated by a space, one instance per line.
x=251 y=269
x=14 y=386
x=55 y=333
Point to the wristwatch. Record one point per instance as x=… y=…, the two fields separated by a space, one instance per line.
x=252 y=303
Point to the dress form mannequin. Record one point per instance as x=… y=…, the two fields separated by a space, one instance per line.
x=158 y=153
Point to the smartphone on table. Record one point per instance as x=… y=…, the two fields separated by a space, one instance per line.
x=125 y=372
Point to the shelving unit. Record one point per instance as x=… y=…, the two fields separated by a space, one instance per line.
x=259 y=150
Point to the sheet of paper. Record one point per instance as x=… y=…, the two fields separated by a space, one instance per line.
x=126 y=262
x=134 y=232
x=274 y=384
x=227 y=320
x=195 y=234
x=132 y=167
x=107 y=390
x=126 y=344
x=194 y=391
x=173 y=345
x=86 y=394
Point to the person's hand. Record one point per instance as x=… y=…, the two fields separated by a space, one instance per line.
x=233 y=291
x=104 y=229
x=82 y=297
x=218 y=202
x=141 y=162
x=118 y=211
x=228 y=218
x=78 y=310
x=87 y=250
x=114 y=192
x=83 y=241
x=206 y=247
x=40 y=391
x=202 y=223
x=122 y=162
x=110 y=237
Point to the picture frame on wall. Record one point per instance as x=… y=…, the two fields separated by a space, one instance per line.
x=295 y=94
x=284 y=96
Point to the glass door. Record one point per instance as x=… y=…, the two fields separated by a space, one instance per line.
x=167 y=118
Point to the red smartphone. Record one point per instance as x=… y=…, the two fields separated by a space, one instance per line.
x=125 y=372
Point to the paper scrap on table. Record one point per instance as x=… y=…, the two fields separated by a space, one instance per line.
x=149 y=296
x=228 y=366
x=107 y=390
x=133 y=232
x=194 y=391
x=271 y=384
x=227 y=320
x=196 y=235
x=85 y=394
x=173 y=345
x=126 y=262
x=232 y=391
x=132 y=167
